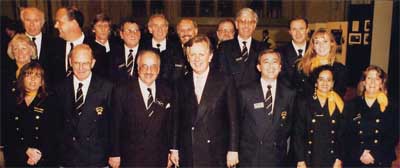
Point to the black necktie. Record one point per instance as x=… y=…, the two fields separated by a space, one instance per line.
x=34 y=42
x=79 y=100
x=69 y=68
x=245 y=52
x=300 y=53
x=268 y=100
x=129 y=63
x=159 y=48
x=150 y=99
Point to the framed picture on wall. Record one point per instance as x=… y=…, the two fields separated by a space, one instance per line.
x=355 y=38
x=366 y=39
x=367 y=25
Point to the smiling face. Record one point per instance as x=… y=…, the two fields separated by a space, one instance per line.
x=373 y=83
x=22 y=52
x=130 y=33
x=186 y=30
x=322 y=45
x=158 y=27
x=298 y=31
x=269 y=65
x=325 y=81
x=33 y=80
x=199 y=56
x=226 y=31
x=149 y=67
x=246 y=25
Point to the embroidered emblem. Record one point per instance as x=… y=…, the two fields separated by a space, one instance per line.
x=283 y=115
x=37 y=109
x=99 y=110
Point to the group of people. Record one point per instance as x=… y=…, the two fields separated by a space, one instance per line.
x=156 y=102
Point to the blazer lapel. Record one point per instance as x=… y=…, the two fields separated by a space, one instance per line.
x=207 y=97
x=191 y=96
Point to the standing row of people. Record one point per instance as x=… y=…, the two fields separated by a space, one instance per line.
x=209 y=107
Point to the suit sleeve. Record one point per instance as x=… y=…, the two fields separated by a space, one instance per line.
x=175 y=118
x=117 y=100
x=300 y=130
x=232 y=115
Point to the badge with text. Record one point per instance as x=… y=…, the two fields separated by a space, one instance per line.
x=37 y=109
x=99 y=110
x=238 y=59
x=121 y=65
x=259 y=105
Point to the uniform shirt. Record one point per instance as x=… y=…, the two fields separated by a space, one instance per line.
x=163 y=44
x=85 y=87
x=38 y=42
x=145 y=92
x=296 y=48
x=264 y=85
x=199 y=81
x=134 y=52
x=68 y=48
x=248 y=43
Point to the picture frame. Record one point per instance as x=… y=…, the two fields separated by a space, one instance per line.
x=355 y=38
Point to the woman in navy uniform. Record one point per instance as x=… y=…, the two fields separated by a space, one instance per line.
x=373 y=122
x=321 y=51
x=319 y=124
x=29 y=122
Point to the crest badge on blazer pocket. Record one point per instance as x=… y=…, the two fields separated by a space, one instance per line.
x=283 y=115
x=38 y=110
x=99 y=110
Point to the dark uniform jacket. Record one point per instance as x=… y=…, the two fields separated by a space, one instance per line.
x=173 y=61
x=207 y=131
x=318 y=137
x=371 y=129
x=305 y=85
x=289 y=59
x=263 y=137
x=141 y=137
x=84 y=139
x=119 y=70
x=232 y=63
x=30 y=127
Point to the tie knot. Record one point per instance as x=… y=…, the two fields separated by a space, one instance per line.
x=148 y=89
x=130 y=50
x=72 y=45
x=33 y=39
x=269 y=87
x=158 y=45
x=80 y=85
x=244 y=43
x=300 y=51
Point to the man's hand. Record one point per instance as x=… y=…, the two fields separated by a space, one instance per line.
x=114 y=162
x=174 y=157
x=337 y=164
x=367 y=158
x=301 y=164
x=34 y=155
x=232 y=159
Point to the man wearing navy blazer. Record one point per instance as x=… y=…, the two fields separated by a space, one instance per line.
x=142 y=117
x=238 y=57
x=68 y=22
x=124 y=55
x=207 y=135
x=84 y=113
x=266 y=115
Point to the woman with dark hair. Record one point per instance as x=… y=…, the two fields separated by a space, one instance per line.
x=319 y=123
x=321 y=51
x=373 y=122
x=29 y=122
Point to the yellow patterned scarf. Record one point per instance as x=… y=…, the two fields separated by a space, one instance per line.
x=381 y=98
x=334 y=101
x=319 y=61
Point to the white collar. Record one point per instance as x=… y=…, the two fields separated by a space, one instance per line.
x=78 y=41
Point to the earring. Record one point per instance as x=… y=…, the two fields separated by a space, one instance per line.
x=315 y=94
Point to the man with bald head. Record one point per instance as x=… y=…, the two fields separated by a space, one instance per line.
x=84 y=113
x=238 y=56
x=186 y=29
x=141 y=128
x=69 y=22
x=169 y=50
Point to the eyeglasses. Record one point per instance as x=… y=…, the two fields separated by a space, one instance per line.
x=242 y=21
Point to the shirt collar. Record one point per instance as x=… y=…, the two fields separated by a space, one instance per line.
x=38 y=37
x=266 y=83
x=143 y=87
x=303 y=47
x=85 y=82
x=203 y=75
x=78 y=41
x=127 y=49
x=163 y=44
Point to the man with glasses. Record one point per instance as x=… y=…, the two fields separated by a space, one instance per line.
x=238 y=56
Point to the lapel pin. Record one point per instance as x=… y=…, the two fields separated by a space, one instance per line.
x=99 y=110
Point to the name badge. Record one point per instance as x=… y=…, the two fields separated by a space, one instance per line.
x=37 y=109
x=178 y=65
x=99 y=110
x=319 y=115
x=121 y=65
x=238 y=59
x=258 y=105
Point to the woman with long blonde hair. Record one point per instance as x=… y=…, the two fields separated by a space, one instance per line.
x=321 y=51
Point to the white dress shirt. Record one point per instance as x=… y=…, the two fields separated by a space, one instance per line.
x=85 y=86
x=248 y=43
x=106 y=45
x=38 y=42
x=163 y=44
x=68 y=48
x=199 y=81
x=296 y=48
x=134 y=52
x=264 y=85
x=145 y=92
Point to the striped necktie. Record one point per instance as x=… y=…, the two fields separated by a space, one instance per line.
x=79 y=100
x=268 y=100
x=129 y=63
x=245 y=52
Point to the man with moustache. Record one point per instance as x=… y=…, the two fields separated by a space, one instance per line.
x=238 y=57
x=225 y=30
x=169 y=50
x=266 y=108
x=124 y=61
x=84 y=113
x=207 y=135
x=141 y=129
